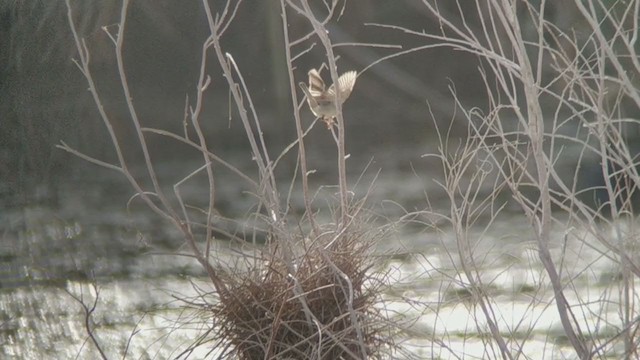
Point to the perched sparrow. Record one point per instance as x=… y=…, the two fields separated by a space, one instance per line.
x=321 y=101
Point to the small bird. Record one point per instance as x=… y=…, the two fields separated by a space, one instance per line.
x=321 y=101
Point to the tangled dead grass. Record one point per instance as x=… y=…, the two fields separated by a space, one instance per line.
x=323 y=306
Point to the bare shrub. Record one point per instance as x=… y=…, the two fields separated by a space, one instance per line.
x=553 y=91
x=310 y=291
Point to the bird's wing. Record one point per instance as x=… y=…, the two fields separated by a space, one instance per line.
x=316 y=85
x=346 y=82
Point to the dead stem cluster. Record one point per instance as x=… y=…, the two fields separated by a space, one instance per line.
x=323 y=309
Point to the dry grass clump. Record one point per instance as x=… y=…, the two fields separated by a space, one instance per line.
x=320 y=307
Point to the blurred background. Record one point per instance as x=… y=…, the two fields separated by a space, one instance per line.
x=392 y=114
x=62 y=218
x=44 y=97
